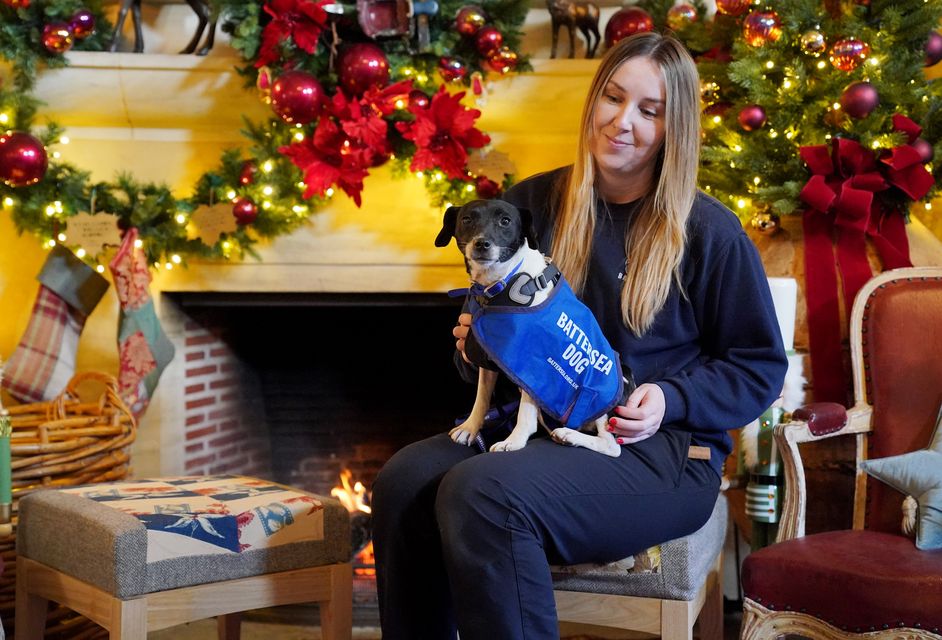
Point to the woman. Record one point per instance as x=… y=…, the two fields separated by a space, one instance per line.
x=465 y=541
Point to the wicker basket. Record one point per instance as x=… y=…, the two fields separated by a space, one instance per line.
x=64 y=442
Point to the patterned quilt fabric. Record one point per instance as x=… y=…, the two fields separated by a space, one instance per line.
x=189 y=516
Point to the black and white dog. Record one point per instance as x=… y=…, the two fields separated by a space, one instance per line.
x=498 y=243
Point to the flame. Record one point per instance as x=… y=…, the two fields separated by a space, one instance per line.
x=367 y=559
x=353 y=498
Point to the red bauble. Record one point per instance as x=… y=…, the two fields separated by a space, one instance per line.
x=469 y=19
x=488 y=40
x=924 y=149
x=486 y=188
x=57 y=37
x=933 y=48
x=244 y=210
x=362 y=66
x=859 y=99
x=733 y=7
x=504 y=60
x=23 y=159
x=82 y=23
x=848 y=53
x=16 y=4
x=452 y=69
x=625 y=22
x=752 y=117
x=297 y=97
x=247 y=173
x=761 y=27
x=418 y=98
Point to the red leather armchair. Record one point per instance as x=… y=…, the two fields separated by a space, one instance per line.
x=871 y=579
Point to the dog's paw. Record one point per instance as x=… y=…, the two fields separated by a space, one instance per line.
x=563 y=435
x=510 y=444
x=463 y=434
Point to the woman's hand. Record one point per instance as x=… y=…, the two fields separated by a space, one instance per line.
x=461 y=334
x=641 y=415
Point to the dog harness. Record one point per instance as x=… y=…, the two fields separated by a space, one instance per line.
x=555 y=350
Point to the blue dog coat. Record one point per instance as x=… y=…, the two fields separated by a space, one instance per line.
x=555 y=351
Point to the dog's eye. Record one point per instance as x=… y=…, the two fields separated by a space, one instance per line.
x=504 y=221
x=466 y=220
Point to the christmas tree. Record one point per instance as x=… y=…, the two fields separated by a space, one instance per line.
x=820 y=109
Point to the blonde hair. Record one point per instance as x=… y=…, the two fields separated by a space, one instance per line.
x=657 y=236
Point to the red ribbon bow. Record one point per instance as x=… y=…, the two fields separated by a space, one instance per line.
x=844 y=205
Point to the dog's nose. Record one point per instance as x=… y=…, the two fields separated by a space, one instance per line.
x=482 y=244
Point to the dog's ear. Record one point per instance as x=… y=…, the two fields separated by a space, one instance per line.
x=448 y=226
x=526 y=221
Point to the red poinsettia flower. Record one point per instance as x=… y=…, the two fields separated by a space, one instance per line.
x=301 y=20
x=364 y=119
x=443 y=132
x=328 y=158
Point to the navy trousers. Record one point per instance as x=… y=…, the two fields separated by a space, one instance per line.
x=464 y=540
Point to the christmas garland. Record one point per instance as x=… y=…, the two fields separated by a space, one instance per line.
x=351 y=88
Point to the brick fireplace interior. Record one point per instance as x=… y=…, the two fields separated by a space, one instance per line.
x=298 y=388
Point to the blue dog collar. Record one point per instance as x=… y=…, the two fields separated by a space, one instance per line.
x=490 y=291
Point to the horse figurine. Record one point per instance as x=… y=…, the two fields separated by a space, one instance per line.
x=580 y=14
x=204 y=12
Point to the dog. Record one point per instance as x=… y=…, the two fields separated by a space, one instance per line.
x=504 y=264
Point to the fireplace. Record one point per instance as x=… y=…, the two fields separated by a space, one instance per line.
x=302 y=388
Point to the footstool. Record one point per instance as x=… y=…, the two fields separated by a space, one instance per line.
x=137 y=556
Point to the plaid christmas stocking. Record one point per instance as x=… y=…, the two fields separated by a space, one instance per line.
x=44 y=361
x=144 y=348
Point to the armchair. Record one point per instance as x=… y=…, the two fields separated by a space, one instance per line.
x=870 y=581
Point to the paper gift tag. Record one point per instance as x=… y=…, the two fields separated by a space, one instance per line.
x=93 y=232
x=496 y=165
x=209 y=222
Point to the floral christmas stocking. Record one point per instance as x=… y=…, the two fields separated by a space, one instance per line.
x=44 y=361
x=143 y=347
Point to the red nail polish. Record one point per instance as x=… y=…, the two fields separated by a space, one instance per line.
x=610 y=428
x=620 y=440
x=611 y=421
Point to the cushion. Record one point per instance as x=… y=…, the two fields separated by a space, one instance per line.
x=917 y=474
x=679 y=574
x=136 y=537
x=855 y=580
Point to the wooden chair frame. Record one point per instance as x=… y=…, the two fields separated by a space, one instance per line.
x=670 y=619
x=760 y=623
x=331 y=586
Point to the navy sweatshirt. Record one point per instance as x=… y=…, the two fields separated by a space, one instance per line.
x=717 y=354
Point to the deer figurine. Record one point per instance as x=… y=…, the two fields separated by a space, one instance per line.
x=580 y=14
x=204 y=12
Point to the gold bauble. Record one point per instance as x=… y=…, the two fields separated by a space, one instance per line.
x=765 y=222
x=679 y=16
x=813 y=43
x=709 y=92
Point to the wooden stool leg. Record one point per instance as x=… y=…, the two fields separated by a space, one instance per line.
x=337 y=613
x=711 y=615
x=676 y=620
x=128 y=619
x=30 y=615
x=229 y=627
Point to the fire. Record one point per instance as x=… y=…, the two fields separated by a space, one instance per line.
x=366 y=557
x=355 y=498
